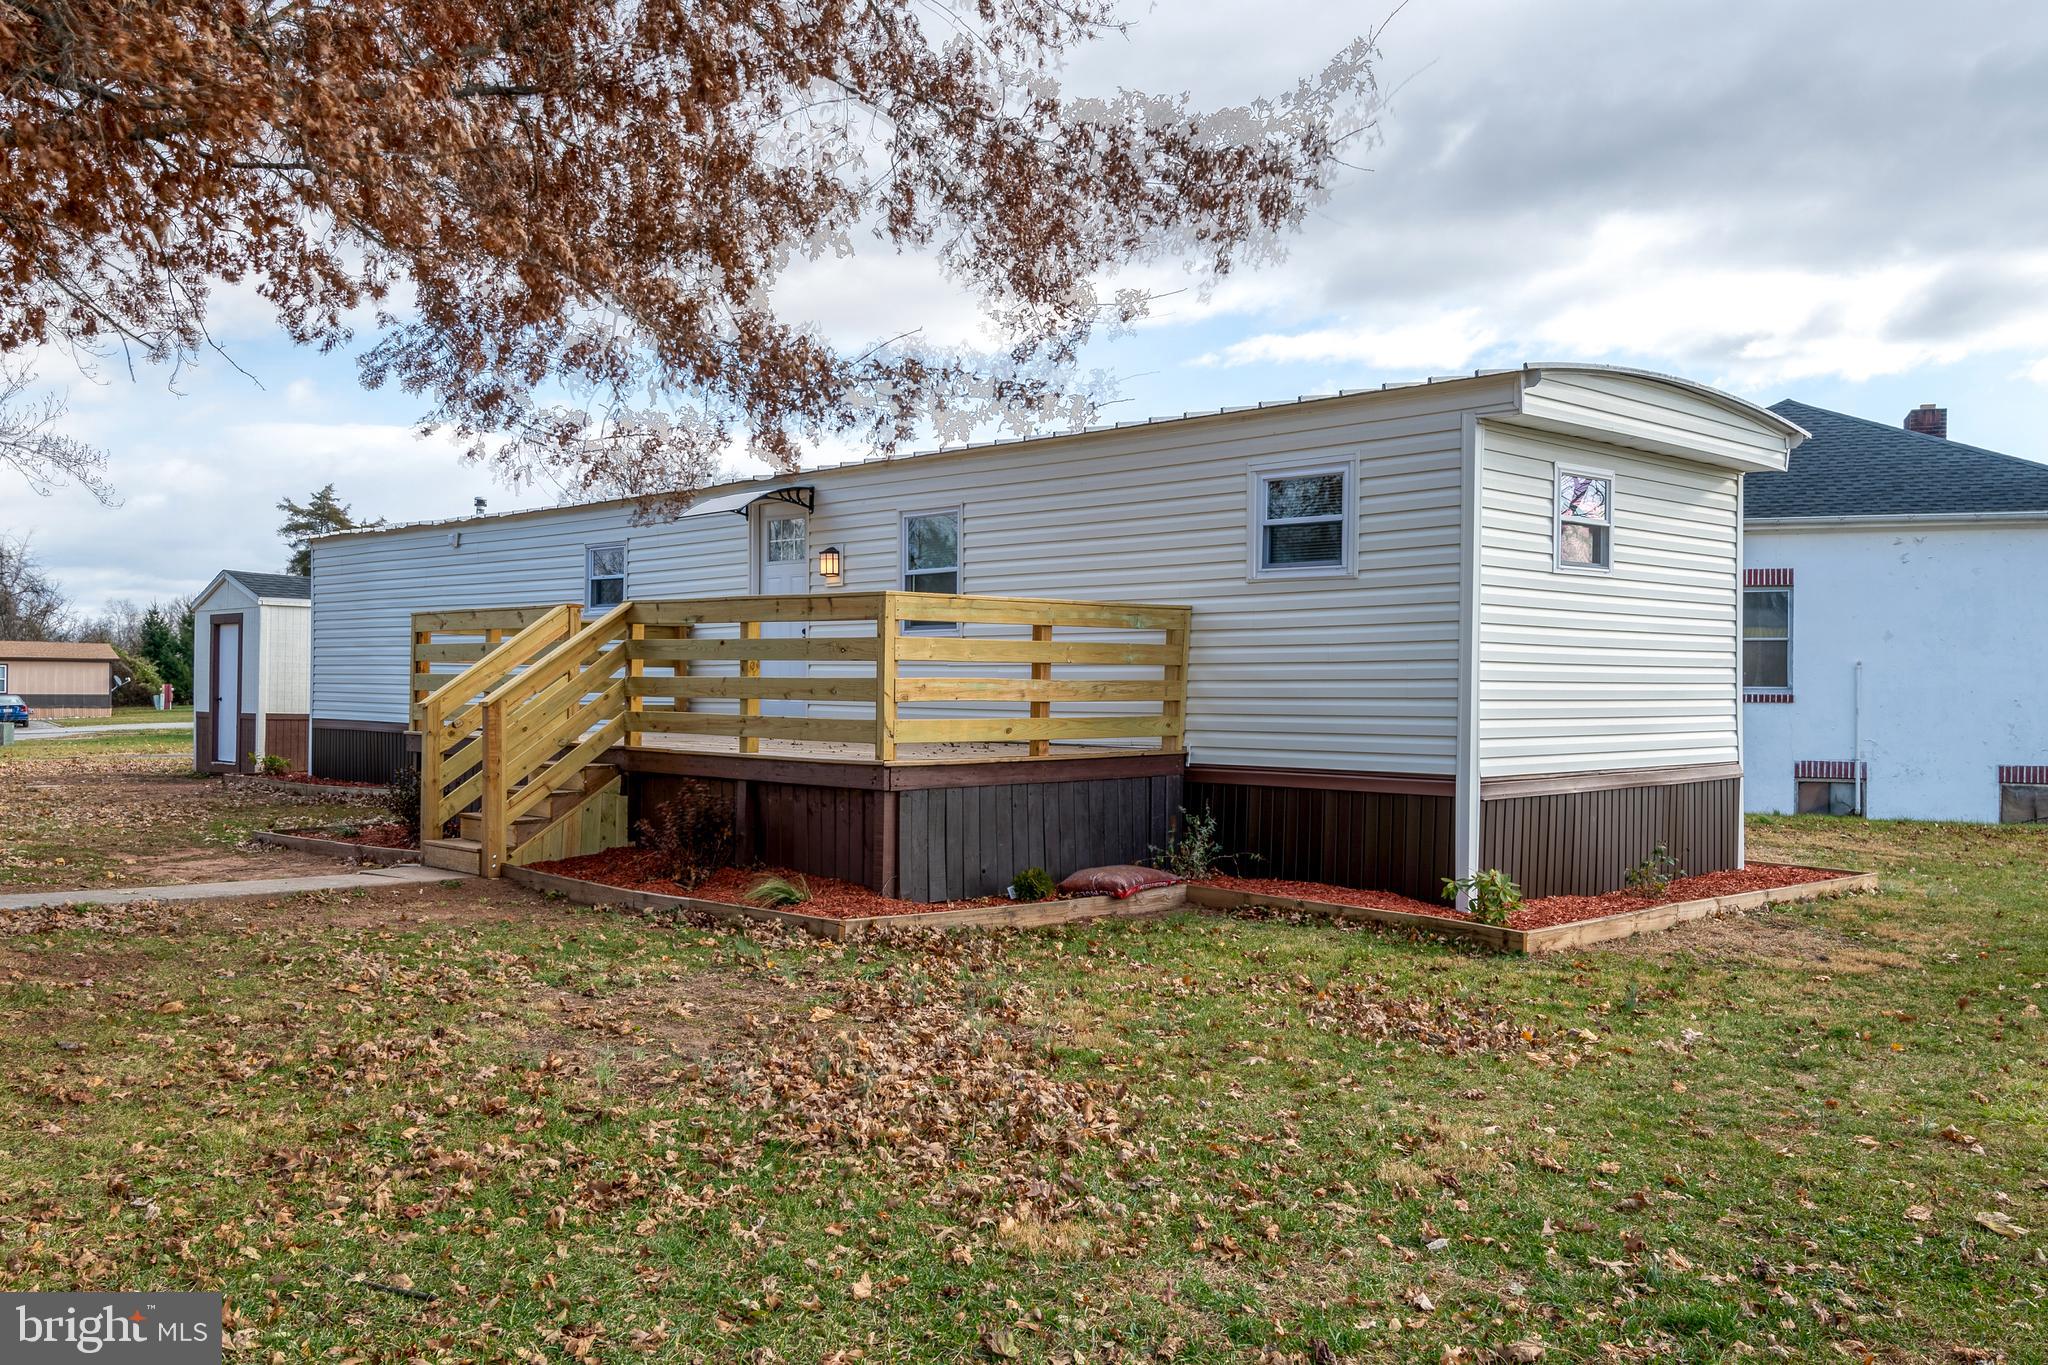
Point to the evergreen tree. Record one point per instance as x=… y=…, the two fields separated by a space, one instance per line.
x=166 y=645
x=320 y=515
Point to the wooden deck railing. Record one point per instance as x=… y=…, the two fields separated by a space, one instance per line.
x=444 y=638
x=593 y=688
x=450 y=718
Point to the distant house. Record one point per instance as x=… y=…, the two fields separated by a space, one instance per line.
x=1895 y=627
x=251 y=683
x=59 y=679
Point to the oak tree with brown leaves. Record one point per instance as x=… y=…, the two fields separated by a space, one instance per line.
x=562 y=224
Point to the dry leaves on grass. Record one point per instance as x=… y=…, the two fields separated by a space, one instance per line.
x=926 y=1067
x=1369 y=1008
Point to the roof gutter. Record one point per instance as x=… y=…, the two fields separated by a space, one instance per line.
x=1896 y=520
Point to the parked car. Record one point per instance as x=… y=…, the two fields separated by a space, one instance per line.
x=13 y=708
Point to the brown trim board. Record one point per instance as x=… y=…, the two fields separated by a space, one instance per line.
x=1322 y=779
x=872 y=775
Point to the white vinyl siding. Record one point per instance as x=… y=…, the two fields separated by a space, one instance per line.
x=287 y=660
x=1633 y=668
x=366 y=587
x=1357 y=673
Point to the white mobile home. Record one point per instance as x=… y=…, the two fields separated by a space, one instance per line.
x=251 y=671
x=1898 y=636
x=1486 y=621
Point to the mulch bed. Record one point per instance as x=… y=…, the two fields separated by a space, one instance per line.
x=1544 y=912
x=637 y=869
x=308 y=780
x=389 y=835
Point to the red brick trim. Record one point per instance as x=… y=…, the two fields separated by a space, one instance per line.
x=1767 y=696
x=1828 y=770
x=1766 y=578
x=2023 y=774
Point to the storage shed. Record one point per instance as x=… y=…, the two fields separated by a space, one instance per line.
x=1385 y=636
x=59 y=679
x=251 y=670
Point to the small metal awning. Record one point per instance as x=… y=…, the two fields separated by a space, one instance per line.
x=803 y=495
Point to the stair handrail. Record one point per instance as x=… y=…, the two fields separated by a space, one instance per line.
x=442 y=735
x=559 y=676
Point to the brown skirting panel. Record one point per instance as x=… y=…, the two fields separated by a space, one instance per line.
x=52 y=705
x=286 y=736
x=1397 y=841
x=357 y=750
x=940 y=842
x=957 y=842
x=1580 y=843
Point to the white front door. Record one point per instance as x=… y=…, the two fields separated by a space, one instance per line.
x=785 y=571
x=227 y=690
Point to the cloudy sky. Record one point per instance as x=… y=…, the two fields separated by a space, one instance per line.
x=1843 y=202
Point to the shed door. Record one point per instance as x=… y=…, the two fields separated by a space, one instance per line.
x=227 y=690
x=785 y=571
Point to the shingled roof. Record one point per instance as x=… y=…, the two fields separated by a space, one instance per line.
x=276 y=586
x=1851 y=467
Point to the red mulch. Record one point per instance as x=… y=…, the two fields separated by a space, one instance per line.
x=308 y=780
x=1546 y=911
x=391 y=835
x=637 y=869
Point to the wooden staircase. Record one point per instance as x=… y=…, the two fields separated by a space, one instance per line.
x=575 y=818
x=511 y=749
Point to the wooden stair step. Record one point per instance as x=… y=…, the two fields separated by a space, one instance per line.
x=453 y=855
x=524 y=828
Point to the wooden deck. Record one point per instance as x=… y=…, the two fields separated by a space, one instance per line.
x=514 y=705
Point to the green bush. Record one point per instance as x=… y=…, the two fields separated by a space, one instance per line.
x=142 y=684
x=1653 y=875
x=1494 y=898
x=273 y=765
x=1033 y=884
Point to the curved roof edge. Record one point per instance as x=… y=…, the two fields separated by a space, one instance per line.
x=1763 y=416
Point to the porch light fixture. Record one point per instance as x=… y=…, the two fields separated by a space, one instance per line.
x=831 y=564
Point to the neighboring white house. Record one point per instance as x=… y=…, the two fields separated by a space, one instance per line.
x=1896 y=625
x=1496 y=615
x=252 y=661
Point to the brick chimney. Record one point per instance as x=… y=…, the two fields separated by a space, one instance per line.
x=1928 y=420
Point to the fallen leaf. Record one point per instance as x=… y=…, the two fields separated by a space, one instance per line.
x=2000 y=1224
x=864 y=1287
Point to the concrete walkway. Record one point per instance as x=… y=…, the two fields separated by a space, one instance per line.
x=369 y=879
x=75 y=731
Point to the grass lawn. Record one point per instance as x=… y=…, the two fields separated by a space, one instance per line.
x=125 y=810
x=1809 y=1133
x=132 y=715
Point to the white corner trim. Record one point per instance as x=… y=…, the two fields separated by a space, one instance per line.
x=1468 y=809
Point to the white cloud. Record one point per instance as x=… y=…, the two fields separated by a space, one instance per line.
x=1445 y=341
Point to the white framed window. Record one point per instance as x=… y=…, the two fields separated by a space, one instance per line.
x=1302 y=520
x=930 y=550
x=3 y=677
x=604 y=575
x=1585 y=519
x=1767 y=639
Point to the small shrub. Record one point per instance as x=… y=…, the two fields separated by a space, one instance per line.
x=1193 y=851
x=1653 y=875
x=1494 y=898
x=691 y=836
x=346 y=831
x=779 y=892
x=402 y=799
x=1033 y=884
x=141 y=682
x=273 y=765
